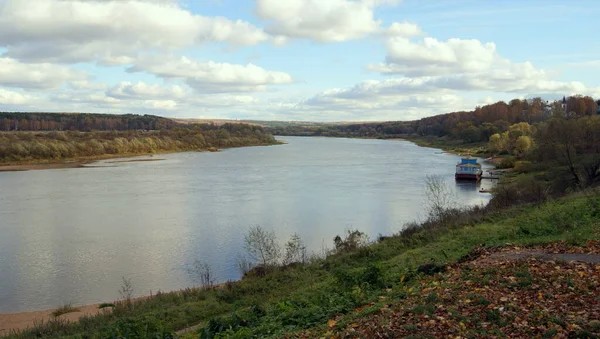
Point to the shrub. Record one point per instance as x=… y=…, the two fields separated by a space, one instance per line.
x=354 y=240
x=261 y=246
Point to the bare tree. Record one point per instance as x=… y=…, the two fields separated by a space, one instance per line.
x=202 y=273
x=262 y=246
x=295 y=250
x=243 y=263
x=439 y=196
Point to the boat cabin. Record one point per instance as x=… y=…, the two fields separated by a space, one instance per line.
x=468 y=169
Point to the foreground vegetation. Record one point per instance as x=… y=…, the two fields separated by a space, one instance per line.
x=281 y=300
x=19 y=147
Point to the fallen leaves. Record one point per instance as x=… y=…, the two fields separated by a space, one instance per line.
x=504 y=297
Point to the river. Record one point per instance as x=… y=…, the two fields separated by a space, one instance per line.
x=70 y=235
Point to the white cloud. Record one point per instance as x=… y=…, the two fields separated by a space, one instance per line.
x=467 y=65
x=35 y=76
x=110 y=31
x=433 y=57
x=403 y=29
x=323 y=21
x=141 y=90
x=162 y=104
x=14 y=98
x=87 y=85
x=211 y=77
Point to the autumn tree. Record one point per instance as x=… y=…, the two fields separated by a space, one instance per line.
x=496 y=144
x=523 y=144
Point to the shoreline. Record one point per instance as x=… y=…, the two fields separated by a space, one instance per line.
x=78 y=162
x=82 y=162
x=19 y=321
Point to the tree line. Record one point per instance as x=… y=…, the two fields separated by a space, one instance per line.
x=58 y=145
x=477 y=125
x=84 y=122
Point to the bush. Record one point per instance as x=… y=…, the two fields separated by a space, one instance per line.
x=353 y=241
x=508 y=162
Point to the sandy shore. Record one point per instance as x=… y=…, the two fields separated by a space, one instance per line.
x=29 y=167
x=23 y=320
x=83 y=163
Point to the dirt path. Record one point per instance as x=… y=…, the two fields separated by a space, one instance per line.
x=555 y=252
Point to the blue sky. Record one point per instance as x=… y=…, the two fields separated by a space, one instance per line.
x=326 y=60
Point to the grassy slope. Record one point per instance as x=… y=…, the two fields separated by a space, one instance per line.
x=292 y=300
x=452 y=146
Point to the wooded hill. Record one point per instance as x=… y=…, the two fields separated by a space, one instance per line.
x=470 y=126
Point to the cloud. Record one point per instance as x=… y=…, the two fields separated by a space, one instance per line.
x=14 y=98
x=211 y=77
x=433 y=57
x=87 y=85
x=141 y=90
x=322 y=21
x=467 y=65
x=110 y=31
x=403 y=29
x=35 y=76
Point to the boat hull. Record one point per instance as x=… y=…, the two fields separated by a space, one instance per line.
x=465 y=176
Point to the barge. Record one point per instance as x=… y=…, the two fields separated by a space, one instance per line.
x=468 y=169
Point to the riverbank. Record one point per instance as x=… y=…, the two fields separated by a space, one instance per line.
x=327 y=295
x=14 y=322
x=60 y=149
x=83 y=162
x=24 y=321
x=87 y=162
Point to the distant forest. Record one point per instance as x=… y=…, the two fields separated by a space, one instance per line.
x=84 y=122
x=470 y=126
x=140 y=135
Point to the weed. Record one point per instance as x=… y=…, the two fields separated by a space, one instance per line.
x=64 y=309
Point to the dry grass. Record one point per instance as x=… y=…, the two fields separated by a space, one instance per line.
x=66 y=308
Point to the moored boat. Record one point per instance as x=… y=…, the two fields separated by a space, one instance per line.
x=468 y=169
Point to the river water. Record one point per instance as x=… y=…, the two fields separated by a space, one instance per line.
x=70 y=235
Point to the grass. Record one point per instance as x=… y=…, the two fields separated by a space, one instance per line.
x=302 y=297
x=64 y=309
x=452 y=146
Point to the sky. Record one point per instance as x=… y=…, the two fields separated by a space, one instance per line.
x=301 y=60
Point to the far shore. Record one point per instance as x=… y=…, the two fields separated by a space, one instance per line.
x=77 y=163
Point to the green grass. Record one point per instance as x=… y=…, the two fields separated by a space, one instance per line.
x=298 y=298
x=450 y=145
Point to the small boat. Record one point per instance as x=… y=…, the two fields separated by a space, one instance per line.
x=468 y=169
